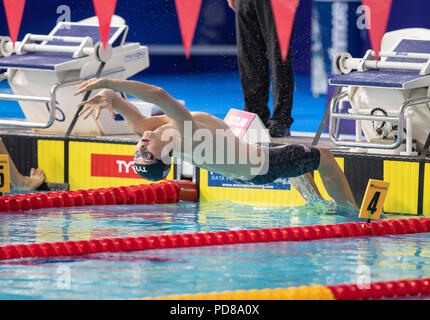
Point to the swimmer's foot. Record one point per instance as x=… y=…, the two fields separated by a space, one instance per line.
x=31 y=182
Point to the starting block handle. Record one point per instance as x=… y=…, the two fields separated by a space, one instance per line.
x=402 y=55
x=79 y=52
x=42 y=37
x=354 y=63
x=52 y=100
x=400 y=120
x=13 y=97
x=26 y=124
x=85 y=47
x=344 y=63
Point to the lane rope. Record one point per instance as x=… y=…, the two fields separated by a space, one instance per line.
x=170 y=191
x=375 y=290
x=342 y=230
x=300 y=293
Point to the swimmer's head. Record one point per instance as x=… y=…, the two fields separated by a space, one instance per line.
x=153 y=172
x=152 y=158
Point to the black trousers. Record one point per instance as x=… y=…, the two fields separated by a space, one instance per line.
x=258 y=54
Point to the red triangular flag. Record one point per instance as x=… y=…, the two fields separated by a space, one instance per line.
x=378 y=17
x=188 y=14
x=284 y=12
x=104 y=10
x=14 y=10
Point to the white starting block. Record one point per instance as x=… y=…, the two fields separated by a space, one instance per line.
x=45 y=70
x=390 y=97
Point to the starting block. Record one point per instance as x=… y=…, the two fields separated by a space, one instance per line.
x=390 y=97
x=44 y=71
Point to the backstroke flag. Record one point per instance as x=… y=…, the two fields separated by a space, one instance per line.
x=14 y=10
x=284 y=12
x=188 y=14
x=377 y=20
x=104 y=10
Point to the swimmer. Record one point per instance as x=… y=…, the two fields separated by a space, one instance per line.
x=157 y=143
x=20 y=182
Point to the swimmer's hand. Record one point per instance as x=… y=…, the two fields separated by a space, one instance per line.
x=103 y=100
x=92 y=84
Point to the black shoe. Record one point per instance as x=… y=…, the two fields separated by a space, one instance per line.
x=279 y=131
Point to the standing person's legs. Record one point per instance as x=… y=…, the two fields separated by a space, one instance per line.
x=282 y=72
x=252 y=59
x=20 y=182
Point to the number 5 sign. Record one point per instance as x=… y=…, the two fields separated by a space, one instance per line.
x=4 y=173
x=374 y=199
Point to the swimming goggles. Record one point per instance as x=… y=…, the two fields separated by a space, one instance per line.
x=145 y=155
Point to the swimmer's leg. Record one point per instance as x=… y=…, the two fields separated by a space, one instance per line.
x=334 y=180
x=305 y=185
x=20 y=182
x=311 y=180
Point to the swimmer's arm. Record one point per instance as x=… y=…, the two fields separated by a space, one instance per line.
x=156 y=95
x=114 y=103
x=134 y=118
x=152 y=94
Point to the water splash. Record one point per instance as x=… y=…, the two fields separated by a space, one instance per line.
x=305 y=188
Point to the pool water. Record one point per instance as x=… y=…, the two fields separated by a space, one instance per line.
x=155 y=273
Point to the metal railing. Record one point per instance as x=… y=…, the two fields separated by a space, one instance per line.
x=29 y=124
x=399 y=120
x=52 y=101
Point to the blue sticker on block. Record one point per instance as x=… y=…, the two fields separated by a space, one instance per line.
x=218 y=180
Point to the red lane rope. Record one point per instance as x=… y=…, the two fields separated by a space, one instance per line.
x=379 y=290
x=154 y=193
x=376 y=228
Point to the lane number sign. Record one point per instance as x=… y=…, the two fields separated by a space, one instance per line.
x=374 y=198
x=4 y=173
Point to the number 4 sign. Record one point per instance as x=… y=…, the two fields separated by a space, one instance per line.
x=374 y=199
x=4 y=173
